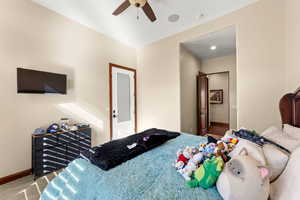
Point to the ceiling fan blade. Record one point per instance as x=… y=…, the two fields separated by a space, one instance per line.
x=149 y=12
x=122 y=7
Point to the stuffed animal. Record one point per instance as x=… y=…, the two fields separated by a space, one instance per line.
x=191 y=166
x=188 y=170
x=233 y=140
x=230 y=147
x=183 y=157
x=202 y=147
x=181 y=161
x=209 y=150
x=197 y=158
x=230 y=139
x=207 y=174
x=221 y=146
x=244 y=178
x=194 y=150
x=229 y=136
x=221 y=150
x=209 y=146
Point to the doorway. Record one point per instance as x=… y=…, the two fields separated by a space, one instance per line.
x=123 y=112
x=205 y=108
x=213 y=99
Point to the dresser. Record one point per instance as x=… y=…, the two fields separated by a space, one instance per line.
x=52 y=152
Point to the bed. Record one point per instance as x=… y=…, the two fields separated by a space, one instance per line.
x=149 y=176
x=288 y=184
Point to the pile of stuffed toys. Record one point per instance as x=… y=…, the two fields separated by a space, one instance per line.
x=201 y=166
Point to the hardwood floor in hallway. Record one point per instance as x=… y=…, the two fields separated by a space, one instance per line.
x=218 y=129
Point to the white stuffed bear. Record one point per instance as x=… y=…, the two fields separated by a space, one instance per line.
x=191 y=166
x=183 y=157
x=243 y=178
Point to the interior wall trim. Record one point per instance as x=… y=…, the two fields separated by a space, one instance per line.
x=15 y=176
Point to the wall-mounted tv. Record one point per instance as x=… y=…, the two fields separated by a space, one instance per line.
x=32 y=81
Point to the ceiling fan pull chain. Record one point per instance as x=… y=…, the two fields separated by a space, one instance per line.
x=137 y=13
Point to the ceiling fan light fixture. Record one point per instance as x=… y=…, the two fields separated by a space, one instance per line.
x=138 y=3
x=143 y=4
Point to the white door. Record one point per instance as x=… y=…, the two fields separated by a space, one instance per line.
x=123 y=103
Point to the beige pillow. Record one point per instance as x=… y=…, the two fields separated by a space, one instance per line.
x=291 y=131
x=286 y=187
x=276 y=159
x=270 y=131
x=276 y=135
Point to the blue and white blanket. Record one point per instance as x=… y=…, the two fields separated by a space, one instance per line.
x=149 y=176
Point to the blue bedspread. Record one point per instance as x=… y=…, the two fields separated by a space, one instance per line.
x=149 y=176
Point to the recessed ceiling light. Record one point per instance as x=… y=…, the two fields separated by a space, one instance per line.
x=213 y=48
x=173 y=18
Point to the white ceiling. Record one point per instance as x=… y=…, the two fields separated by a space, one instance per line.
x=224 y=40
x=97 y=14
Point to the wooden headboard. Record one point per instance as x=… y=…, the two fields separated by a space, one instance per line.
x=290 y=109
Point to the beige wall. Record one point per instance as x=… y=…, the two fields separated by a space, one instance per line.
x=292 y=47
x=34 y=37
x=189 y=69
x=221 y=64
x=219 y=112
x=159 y=87
x=260 y=68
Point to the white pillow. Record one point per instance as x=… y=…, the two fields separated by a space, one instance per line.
x=276 y=159
x=276 y=135
x=292 y=131
x=270 y=131
x=286 y=187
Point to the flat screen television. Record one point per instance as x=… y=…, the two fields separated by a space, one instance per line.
x=32 y=81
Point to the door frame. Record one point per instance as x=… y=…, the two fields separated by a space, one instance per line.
x=198 y=96
x=199 y=130
x=111 y=65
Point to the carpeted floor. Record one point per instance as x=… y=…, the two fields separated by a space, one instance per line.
x=25 y=188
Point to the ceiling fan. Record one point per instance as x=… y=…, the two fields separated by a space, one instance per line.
x=139 y=4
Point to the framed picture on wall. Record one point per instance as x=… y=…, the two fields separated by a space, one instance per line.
x=216 y=96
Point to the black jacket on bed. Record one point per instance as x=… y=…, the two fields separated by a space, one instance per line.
x=114 y=153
